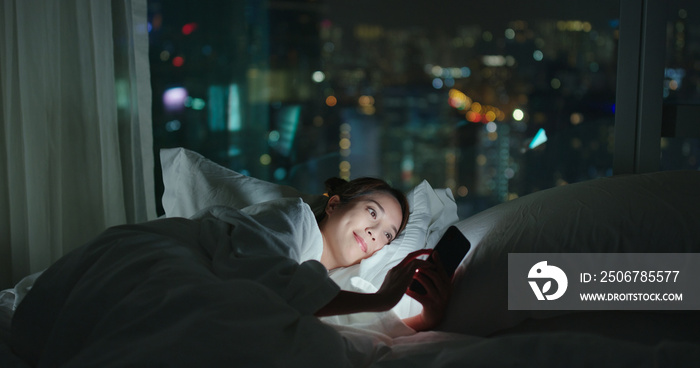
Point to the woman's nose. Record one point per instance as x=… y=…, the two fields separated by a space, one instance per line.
x=369 y=232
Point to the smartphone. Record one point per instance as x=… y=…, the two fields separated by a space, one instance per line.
x=451 y=249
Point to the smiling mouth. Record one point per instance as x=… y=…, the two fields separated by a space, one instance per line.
x=361 y=242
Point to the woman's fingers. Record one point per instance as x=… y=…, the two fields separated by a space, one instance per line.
x=400 y=277
x=412 y=266
x=429 y=273
x=413 y=255
x=435 y=281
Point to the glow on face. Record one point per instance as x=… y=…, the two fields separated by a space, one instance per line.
x=356 y=230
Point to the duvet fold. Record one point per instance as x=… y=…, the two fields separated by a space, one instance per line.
x=212 y=291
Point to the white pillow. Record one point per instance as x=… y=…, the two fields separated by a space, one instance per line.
x=193 y=183
x=656 y=212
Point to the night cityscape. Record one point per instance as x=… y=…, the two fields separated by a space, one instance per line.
x=493 y=108
x=173 y=183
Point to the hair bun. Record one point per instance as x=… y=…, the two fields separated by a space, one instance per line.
x=334 y=185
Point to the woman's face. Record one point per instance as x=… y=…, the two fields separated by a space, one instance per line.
x=356 y=230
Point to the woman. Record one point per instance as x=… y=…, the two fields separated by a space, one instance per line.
x=225 y=287
x=361 y=217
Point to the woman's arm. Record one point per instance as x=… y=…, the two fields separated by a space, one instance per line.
x=347 y=302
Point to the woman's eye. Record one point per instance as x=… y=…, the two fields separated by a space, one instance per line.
x=388 y=236
x=372 y=213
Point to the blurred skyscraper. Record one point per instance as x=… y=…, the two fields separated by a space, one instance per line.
x=288 y=91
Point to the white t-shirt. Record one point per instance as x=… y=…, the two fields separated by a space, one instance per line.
x=277 y=243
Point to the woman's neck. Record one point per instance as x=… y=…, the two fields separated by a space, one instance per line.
x=327 y=259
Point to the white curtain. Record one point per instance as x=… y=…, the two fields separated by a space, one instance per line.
x=76 y=136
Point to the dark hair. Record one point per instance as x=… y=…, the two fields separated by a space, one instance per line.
x=347 y=191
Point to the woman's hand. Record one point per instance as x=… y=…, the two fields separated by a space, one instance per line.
x=392 y=290
x=438 y=286
x=399 y=278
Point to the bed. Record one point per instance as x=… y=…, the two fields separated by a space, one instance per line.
x=172 y=292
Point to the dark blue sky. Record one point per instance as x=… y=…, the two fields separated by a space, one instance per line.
x=498 y=13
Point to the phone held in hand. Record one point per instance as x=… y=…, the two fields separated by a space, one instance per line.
x=451 y=249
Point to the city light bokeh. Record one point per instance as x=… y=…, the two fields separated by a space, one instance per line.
x=492 y=106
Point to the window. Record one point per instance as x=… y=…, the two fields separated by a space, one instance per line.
x=680 y=146
x=493 y=101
